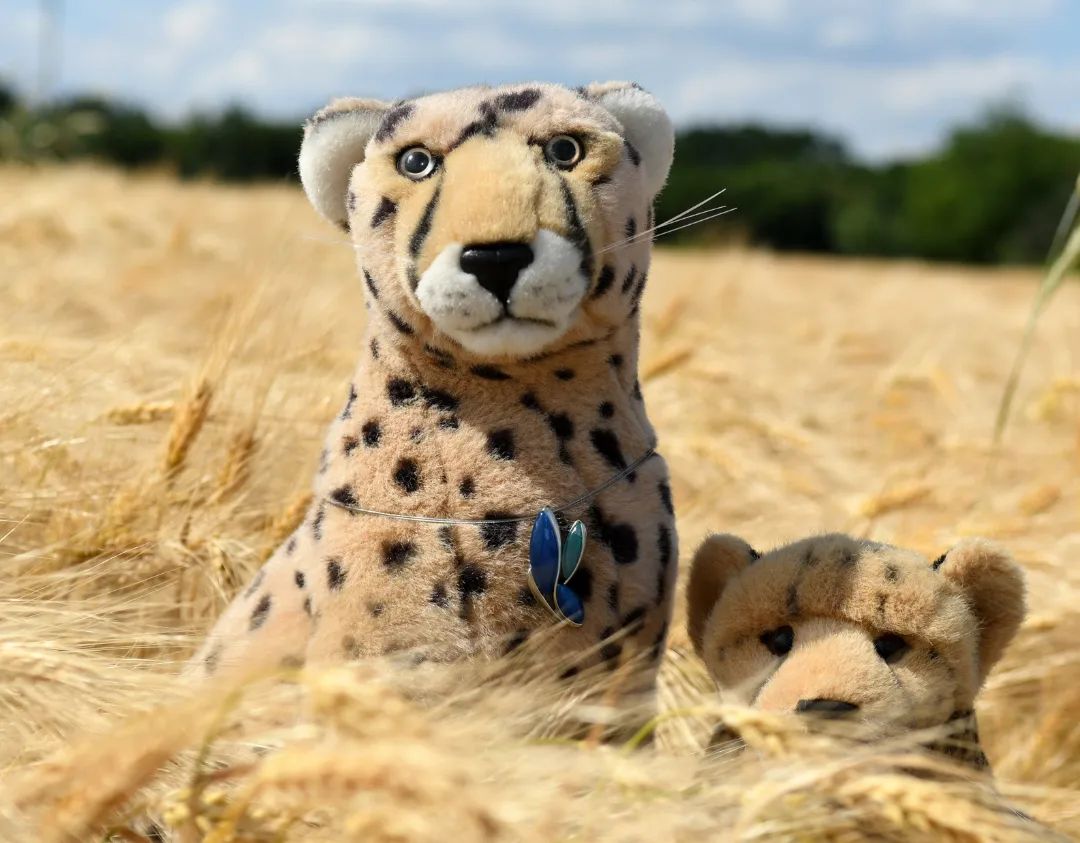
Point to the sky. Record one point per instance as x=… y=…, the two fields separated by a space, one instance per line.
x=889 y=78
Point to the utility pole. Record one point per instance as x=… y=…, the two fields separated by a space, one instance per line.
x=50 y=13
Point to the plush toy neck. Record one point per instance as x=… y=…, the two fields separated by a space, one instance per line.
x=426 y=432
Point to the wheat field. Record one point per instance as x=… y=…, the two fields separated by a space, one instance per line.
x=169 y=356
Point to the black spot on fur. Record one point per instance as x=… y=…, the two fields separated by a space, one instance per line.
x=259 y=613
x=604 y=281
x=607 y=445
x=665 y=497
x=631 y=227
x=439 y=596
x=525 y=597
x=607 y=409
x=529 y=401
x=882 y=603
x=561 y=425
x=400 y=391
x=256 y=581
x=933 y=654
x=569 y=673
x=564 y=374
x=375 y=348
x=316 y=522
x=490 y=373
x=400 y=324
x=387 y=208
x=446 y=536
x=892 y=574
x=439 y=399
x=791 y=604
x=634 y=619
x=396 y=554
x=324 y=461
x=613 y=597
x=349 y=444
x=498 y=535
x=485 y=125
x=636 y=392
x=500 y=444
x=663 y=545
x=392 y=119
x=350 y=202
x=344 y=495
x=376 y=609
x=298 y=578
x=601 y=180
x=374 y=290
x=347 y=410
x=471 y=582
x=616 y=361
x=307 y=606
x=628 y=281
x=939 y=561
x=576 y=233
x=516 y=640
x=442 y=358
x=335 y=574
x=290 y=546
x=449 y=423
x=407 y=476
x=632 y=153
x=467 y=488
x=423 y=228
x=372 y=433
x=621 y=539
x=517 y=101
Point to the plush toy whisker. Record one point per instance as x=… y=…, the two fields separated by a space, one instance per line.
x=702 y=216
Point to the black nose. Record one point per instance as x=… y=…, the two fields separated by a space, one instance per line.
x=825 y=708
x=496 y=265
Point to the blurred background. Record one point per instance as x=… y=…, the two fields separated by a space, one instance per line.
x=940 y=129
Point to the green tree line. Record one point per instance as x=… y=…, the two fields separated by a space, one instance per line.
x=991 y=194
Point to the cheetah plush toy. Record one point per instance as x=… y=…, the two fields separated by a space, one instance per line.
x=855 y=630
x=503 y=238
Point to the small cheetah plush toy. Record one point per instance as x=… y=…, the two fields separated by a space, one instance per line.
x=503 y=236
x=858 y=630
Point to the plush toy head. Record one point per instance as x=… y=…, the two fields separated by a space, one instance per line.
x=496 y=217
x=854 y=629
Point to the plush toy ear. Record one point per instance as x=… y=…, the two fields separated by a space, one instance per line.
x=645 y=124
x=718 y=559
x=334 y=143
x=994 y=586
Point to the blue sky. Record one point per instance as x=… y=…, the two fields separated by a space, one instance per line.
x=888 y=77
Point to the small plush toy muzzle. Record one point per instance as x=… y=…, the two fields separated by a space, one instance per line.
x=851 y=630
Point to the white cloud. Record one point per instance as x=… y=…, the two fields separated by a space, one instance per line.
x=188 y=23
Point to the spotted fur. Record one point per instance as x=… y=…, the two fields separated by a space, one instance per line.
x=876 y=638
x=432 y=426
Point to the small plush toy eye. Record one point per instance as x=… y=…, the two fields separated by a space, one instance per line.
x=563 y=151
x=416 y=163
x=778 y=641
x=891 y=647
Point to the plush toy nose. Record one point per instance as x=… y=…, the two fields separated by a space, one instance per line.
x=825 y=708
x=496 y=265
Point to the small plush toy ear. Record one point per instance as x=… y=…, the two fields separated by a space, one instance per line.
x=646 y=125
x=994 y=586
x=334 y=143
x=718 y=559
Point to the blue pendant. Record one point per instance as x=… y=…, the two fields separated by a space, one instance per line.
x=552 y=562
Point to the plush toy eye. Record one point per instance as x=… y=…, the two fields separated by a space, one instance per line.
x=563 y=151
x=891 y=647
x=416 y=163
x=778 y=641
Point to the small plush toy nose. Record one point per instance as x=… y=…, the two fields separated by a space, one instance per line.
x=496 y=265
x=825 y=708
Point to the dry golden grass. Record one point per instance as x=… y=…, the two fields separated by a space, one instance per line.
x=169 y=356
